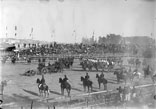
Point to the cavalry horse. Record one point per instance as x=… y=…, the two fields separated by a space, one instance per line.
x=65 y=85
x=86 y=83
x=86 y=64
x=137 y=74
x=149 y=72
x=121 y=75
x=101 y=80
x=43 y=88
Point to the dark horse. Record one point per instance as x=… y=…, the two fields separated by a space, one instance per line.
x=120 y=75
x=43 y=88
x=86 y=83
x=148 y=71
x=101 y=80
x=65 y=85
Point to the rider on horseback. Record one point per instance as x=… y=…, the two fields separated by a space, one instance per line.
x=65 y=79
x=101 y=75
x=42 y=80
x=87 y=76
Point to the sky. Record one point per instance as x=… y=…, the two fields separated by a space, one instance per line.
x=70 y=20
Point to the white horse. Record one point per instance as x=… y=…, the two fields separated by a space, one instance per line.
x=138 y=74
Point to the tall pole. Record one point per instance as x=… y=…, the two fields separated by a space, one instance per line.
x=53 y=34
x=74 y=25
x=15 y=31
x=31 y=33
x=6 y=32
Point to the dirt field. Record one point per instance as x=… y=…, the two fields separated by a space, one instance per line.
x=21 y=90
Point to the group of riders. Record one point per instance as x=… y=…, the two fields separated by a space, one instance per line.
x=57 y=66
x=64 y=84
x=125 y=94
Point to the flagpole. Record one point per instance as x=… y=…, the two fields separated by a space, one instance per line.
x=15 y=32
x=6 y=32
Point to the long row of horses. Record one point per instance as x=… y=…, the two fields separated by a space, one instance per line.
x=98 y=63
x=44 y=89
x=120 y=74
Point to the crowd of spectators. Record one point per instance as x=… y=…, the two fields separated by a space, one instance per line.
x=49 y=49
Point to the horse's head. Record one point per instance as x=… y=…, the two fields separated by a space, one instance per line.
x=82 y=78
x=60 y=80
x=38 y=81
x=97 y=76
x=115 y=72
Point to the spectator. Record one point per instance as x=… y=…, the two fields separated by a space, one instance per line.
x=127 y=93
x=120 y=91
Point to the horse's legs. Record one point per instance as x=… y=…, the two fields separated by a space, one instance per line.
x=88 y=88
x=68 y=91
x=91 y=88
x=62 y=91
x=84 y=87
x=39 y=92
x=99 y=85
x=104 y=86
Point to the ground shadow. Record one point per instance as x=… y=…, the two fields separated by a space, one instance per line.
x=76 y=89
x=112 y=80
x=54 y=92
x=31 y=92
x=93 y=87
x=23 y=97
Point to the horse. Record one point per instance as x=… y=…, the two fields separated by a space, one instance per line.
x=120 y=75
x=101 y=80
x=148 y=71
x=86 y=64
x=43 y=88
x=86 y=83
x=136 y=74
x=65 y=85
x=153 y=78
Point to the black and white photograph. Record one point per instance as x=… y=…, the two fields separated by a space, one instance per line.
x=77 y=54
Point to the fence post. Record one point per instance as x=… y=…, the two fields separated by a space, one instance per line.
x=31 y=105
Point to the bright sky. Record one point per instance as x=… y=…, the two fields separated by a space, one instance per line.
x=59 y=18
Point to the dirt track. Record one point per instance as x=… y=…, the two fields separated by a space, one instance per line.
x=21 y=90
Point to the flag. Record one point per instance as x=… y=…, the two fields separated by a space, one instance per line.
x=31 y=30
x=15 y=27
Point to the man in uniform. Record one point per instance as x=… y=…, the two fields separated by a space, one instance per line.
x=120 y=91
x=87 y=76
x=42 y=80
x=65 y=79
x=127 y=93
x=101 y=75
